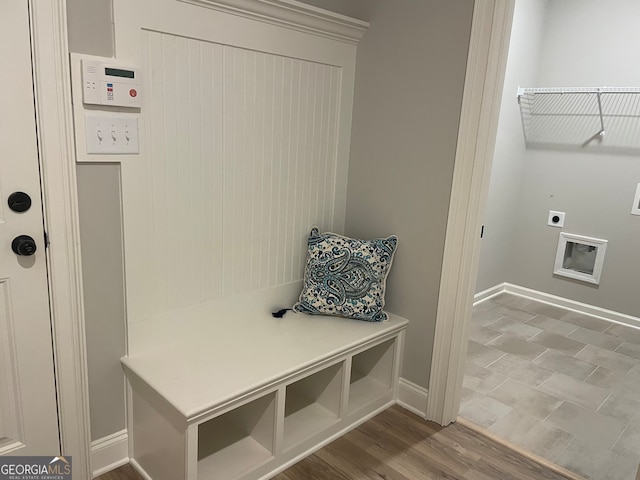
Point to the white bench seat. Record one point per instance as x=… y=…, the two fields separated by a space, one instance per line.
x=289 y=384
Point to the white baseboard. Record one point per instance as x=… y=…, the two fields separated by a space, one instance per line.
x=579 y=307
x=488 y=293
x=412 y=397
x=109 y=453
x=136 y=466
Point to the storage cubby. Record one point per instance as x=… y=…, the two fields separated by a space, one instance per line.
x=233 y=444
x=312 y=404
x=371 y=374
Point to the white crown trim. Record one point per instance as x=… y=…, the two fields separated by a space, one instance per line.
x=294 y=15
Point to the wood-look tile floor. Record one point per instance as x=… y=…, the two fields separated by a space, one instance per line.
x=556 y=383
x=398 y=445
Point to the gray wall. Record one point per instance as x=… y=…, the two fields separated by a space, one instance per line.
x=90 y=30
x=508 y=160
x=584 y=45
x=90 y=27
x=409 y=82
x=102 y=272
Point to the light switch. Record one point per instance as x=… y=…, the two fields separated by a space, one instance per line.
x=114 y=135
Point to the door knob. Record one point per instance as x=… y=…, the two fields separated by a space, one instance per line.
x=23 y=245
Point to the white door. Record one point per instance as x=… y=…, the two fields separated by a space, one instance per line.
x=28 y=410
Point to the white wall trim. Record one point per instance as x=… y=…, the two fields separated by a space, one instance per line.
x=486 y=65
x=110 y=452
x=554 y=300
x=138 y=468
x=412 y=397
x=488 y=293
x=294 y=15
x=55 y=142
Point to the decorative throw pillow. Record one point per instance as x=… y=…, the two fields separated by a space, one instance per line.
x=346 y=277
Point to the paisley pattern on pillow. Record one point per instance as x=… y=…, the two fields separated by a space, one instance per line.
x=346 y=276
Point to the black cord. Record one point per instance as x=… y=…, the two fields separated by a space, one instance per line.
x=280 y=313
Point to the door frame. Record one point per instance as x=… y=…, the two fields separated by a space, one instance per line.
x=52 y=91
x=486 y=65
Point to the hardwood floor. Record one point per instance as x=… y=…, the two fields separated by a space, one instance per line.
x=397 y=445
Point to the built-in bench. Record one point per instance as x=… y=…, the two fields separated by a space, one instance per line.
x=224 y=391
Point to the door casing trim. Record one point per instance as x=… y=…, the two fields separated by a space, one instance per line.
x=486 y=65
x=52 y=85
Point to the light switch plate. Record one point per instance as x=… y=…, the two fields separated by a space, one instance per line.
x=556 y=219
x=109 y=135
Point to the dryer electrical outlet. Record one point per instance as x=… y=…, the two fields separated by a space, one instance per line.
x=556 y=219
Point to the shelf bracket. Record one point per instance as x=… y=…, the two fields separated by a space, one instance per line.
x=600 y=134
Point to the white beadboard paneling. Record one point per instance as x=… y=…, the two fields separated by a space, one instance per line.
x=184 y=133
x=242 y=162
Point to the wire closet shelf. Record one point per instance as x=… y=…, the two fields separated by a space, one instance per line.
x=582 y=118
